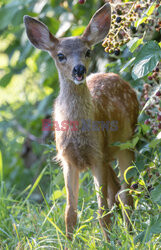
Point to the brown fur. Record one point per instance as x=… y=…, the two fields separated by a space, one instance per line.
x=101 y=98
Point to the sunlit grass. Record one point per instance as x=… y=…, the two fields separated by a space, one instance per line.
x=28 y=225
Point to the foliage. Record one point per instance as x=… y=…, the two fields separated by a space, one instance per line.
x=32 y=194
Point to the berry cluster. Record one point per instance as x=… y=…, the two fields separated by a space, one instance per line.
x=152 y=24
x=153 y=107
x=154 y=76
x=122 y=26
x=119 y=31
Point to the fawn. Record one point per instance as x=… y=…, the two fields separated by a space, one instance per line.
x=101 y=97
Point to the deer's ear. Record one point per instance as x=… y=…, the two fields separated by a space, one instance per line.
x=39 y=34
x=99 y=25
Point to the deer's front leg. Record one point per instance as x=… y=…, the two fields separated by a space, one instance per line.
x=100 y=174
x=71 y=177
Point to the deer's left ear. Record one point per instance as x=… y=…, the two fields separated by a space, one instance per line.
x=99 y=25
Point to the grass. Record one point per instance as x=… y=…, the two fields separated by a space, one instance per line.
x=27 y=224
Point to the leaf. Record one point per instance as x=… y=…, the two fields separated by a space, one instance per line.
x=146 y=60
x=7 y=13
x=156 y=194
x=5 y=80
x=154 y=143
x=142 y=183
x=78 y=31
x=127 y=64
x=134 y=43
x=57 y=194
x=155 y=227
x=129 y=144
x=136 y=203
x=135 y=141
x=144 y=236
x=18 y=17
x=27 y=50
x=146 y=14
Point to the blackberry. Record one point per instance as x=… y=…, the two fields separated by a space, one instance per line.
x=118 y=19
x=158 y=93
x=117 y=52
x=134 y=186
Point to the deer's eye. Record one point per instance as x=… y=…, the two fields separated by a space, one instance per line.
x=88 y=53
x=61 y=57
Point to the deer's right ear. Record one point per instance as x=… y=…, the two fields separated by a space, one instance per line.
x=39 y=34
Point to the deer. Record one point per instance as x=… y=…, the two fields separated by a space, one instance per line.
x=103 y=97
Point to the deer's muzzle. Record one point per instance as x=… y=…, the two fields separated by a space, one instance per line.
x=78 y=73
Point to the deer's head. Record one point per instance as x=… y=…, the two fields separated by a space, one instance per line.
x=71 y=54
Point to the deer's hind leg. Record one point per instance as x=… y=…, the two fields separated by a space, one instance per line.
x=100 y=173
x=113 y=186
x=126 y=158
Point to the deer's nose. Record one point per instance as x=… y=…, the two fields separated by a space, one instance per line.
x=79 y=70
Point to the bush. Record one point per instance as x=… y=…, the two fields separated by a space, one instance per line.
x=31 y=208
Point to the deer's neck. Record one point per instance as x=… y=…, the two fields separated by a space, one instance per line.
x=74 y=101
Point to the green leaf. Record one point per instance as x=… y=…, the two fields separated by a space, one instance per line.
x=5 y=80
x=127 y=145
x=146 y=14
x=17 y=20
x=144 y=236
x=127 y=64
x=57 y=194
x=146 y=60
x=7 y=13
x=154 y=143
x=78 y=31
x=134 y=43
x=155 y=226
x=156 y=194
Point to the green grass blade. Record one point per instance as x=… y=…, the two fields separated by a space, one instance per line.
x=35 y=184
x=1 y=167
x=56 y=227
x=44 y=197
x=124 y=209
